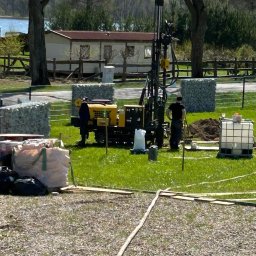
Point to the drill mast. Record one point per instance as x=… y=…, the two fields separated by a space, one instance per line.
x=156 y=89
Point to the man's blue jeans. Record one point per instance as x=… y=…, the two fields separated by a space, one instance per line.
x=176 y=133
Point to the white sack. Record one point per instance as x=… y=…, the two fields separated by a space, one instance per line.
x=139 y=139
x=49 y=165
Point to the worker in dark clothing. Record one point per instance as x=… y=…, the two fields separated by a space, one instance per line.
x=84 y=116
x=176 y=113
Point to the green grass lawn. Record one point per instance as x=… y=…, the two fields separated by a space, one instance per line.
x=116 y=167
x=22 y=84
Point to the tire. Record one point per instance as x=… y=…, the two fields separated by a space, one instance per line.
x=100 y=138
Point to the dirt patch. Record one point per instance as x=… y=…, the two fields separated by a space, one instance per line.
x=205 y=129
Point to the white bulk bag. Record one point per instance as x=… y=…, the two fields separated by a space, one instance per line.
x=48 y=164
x=139 y=139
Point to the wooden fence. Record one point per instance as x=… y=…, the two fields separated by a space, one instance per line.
x=10 y=64
x=214 y=68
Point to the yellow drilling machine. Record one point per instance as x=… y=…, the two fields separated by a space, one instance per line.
x=149 y=113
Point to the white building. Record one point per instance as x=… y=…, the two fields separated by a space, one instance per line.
x=98 y=45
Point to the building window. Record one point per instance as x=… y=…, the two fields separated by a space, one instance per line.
x=107 y=52
x=85 y=51
x=130 y=51
x=147 y=52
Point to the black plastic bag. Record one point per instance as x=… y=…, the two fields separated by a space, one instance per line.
x=29 y=186
x=7 y=178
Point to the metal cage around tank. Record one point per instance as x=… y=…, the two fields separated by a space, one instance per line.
x=236 y=138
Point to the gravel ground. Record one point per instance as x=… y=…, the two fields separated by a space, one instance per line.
x=99 y=223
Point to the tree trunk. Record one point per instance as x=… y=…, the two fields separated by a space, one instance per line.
x=38 y=65
x=198 y=13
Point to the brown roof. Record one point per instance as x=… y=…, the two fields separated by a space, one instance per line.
x=109 y=36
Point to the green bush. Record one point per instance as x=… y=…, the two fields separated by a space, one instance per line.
x=220 y=53
x=11 y=45
x=245 y=52
x=183 y=51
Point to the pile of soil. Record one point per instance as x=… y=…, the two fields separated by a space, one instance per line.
x=205 y=129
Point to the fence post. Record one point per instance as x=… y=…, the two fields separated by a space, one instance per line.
x=8 y=62
x=80 y=71
x=54 y=69
x=215 y=68
x=253 y=66
x=243 y=92
x=236 y=71
x=4 y=64
x=30 y=92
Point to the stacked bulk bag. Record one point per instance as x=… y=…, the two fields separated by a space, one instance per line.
x=43 y=160
x=6 y=148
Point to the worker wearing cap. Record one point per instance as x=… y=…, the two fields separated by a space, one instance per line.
x=176 y=113
x=84 y=115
